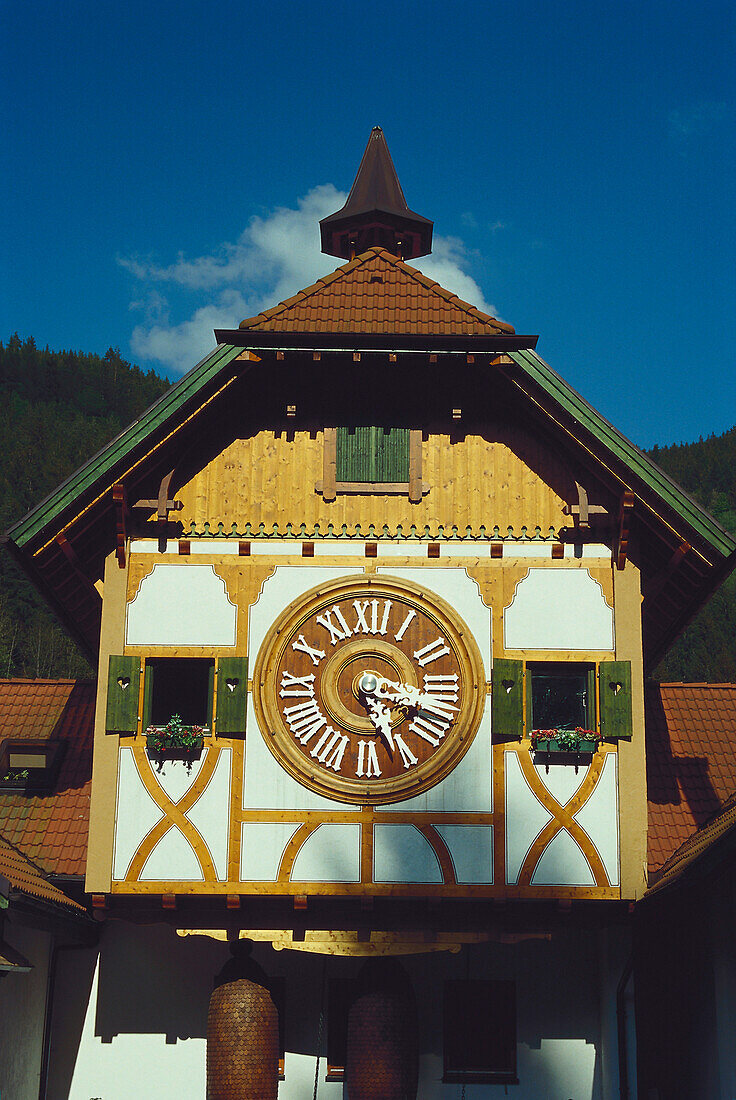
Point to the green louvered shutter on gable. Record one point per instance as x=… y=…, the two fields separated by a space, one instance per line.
x=370 y=454
x=507 y=700
x=123 y=682
x=614 y=685
x=232 y=692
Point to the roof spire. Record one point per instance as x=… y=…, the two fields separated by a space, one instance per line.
x=376 y=212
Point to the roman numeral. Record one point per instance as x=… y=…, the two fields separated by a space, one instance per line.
x=297 y=687
x=305 y=719
x=442 y=687
x=363 y=626
x=367 y=760
x=407 y=756
x=429 y=731
x=330 y=749
x=337 y=632
x=431 y=652
x=405 y=625
x=302 y=647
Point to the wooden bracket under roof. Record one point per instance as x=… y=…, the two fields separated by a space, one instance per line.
x=164 y=504
x=120 y=503
x=625 y=512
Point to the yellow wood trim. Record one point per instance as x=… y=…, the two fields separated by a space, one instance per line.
x=175 y=814
x=236 y=805
x=367 y=818
x=563 y=816
x=442 y=852
x=329 y=465
x=105 y=756
x=291 y=851
x=361 y=889
x=413 y=817
x=499 y=814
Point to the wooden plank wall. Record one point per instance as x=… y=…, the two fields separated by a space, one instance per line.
x=473 y=481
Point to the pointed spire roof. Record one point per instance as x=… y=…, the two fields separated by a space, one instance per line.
x=376 y=212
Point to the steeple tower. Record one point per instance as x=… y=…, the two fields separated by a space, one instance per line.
x=376 y=212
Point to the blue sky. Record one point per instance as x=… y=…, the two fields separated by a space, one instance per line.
x=165 y=165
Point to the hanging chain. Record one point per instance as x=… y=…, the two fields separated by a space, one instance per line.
x=321 y=1027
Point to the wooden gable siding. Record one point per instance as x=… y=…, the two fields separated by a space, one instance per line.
x=475 y=481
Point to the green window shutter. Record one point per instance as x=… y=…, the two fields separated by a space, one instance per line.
x=507 y=700
x=372 y=454
x=232 y=691
x=614 y=685
x=391 y=454
x=123 y=682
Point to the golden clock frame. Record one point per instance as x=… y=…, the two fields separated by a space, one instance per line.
x=353 y=791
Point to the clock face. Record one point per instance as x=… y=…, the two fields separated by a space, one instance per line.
x=369 y=689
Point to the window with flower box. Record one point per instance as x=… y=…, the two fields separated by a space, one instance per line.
x=206 y=692
x=585 y=700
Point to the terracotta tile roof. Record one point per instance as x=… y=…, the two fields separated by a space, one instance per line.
x=691 y=761
x=51 y=828
x=376 y=292
x=696 y=845
x=27 y=878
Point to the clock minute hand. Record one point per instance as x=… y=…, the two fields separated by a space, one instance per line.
x=410 y=696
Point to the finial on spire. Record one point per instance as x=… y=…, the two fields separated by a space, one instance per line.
x=376 y=212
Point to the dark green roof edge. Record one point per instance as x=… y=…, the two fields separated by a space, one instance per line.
x=106 y=459
x=627 y=452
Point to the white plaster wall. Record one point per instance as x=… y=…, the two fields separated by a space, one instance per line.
x=181 y=605
x=133 y=1022
x=22 y=1001
x=558 y=609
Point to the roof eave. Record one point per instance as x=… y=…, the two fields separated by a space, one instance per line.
x=264 y=339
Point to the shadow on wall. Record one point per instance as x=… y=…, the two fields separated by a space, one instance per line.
x=155 y=982
x=152 y=982
x=75 y=971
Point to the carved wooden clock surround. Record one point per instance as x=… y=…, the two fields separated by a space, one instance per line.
x=369 y=689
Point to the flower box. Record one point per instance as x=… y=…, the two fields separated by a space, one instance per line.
x=174 y=741
x=567 y=742
x=14 y=782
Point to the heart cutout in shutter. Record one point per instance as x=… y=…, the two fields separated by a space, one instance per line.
x=507 y=684
x=123 y=682
x=231 y=683
x=615 y=686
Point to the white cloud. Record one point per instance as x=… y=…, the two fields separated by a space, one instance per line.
x=275 y=256
x=447 y=264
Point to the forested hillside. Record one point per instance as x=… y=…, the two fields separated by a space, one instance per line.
x=58 y=408
x=707 y=470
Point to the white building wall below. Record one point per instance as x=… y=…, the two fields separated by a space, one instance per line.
x=132 y=1021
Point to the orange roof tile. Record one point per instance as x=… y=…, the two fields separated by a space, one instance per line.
x=691 y=761
x=377 y=293
x=26 y=878
x=697 y=844
x=50 y=828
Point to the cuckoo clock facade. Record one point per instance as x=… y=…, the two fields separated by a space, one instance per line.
x=372 y=593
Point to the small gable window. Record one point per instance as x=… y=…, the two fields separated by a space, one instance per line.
x=367 y=458
x=370 y=454
x=29 y=765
